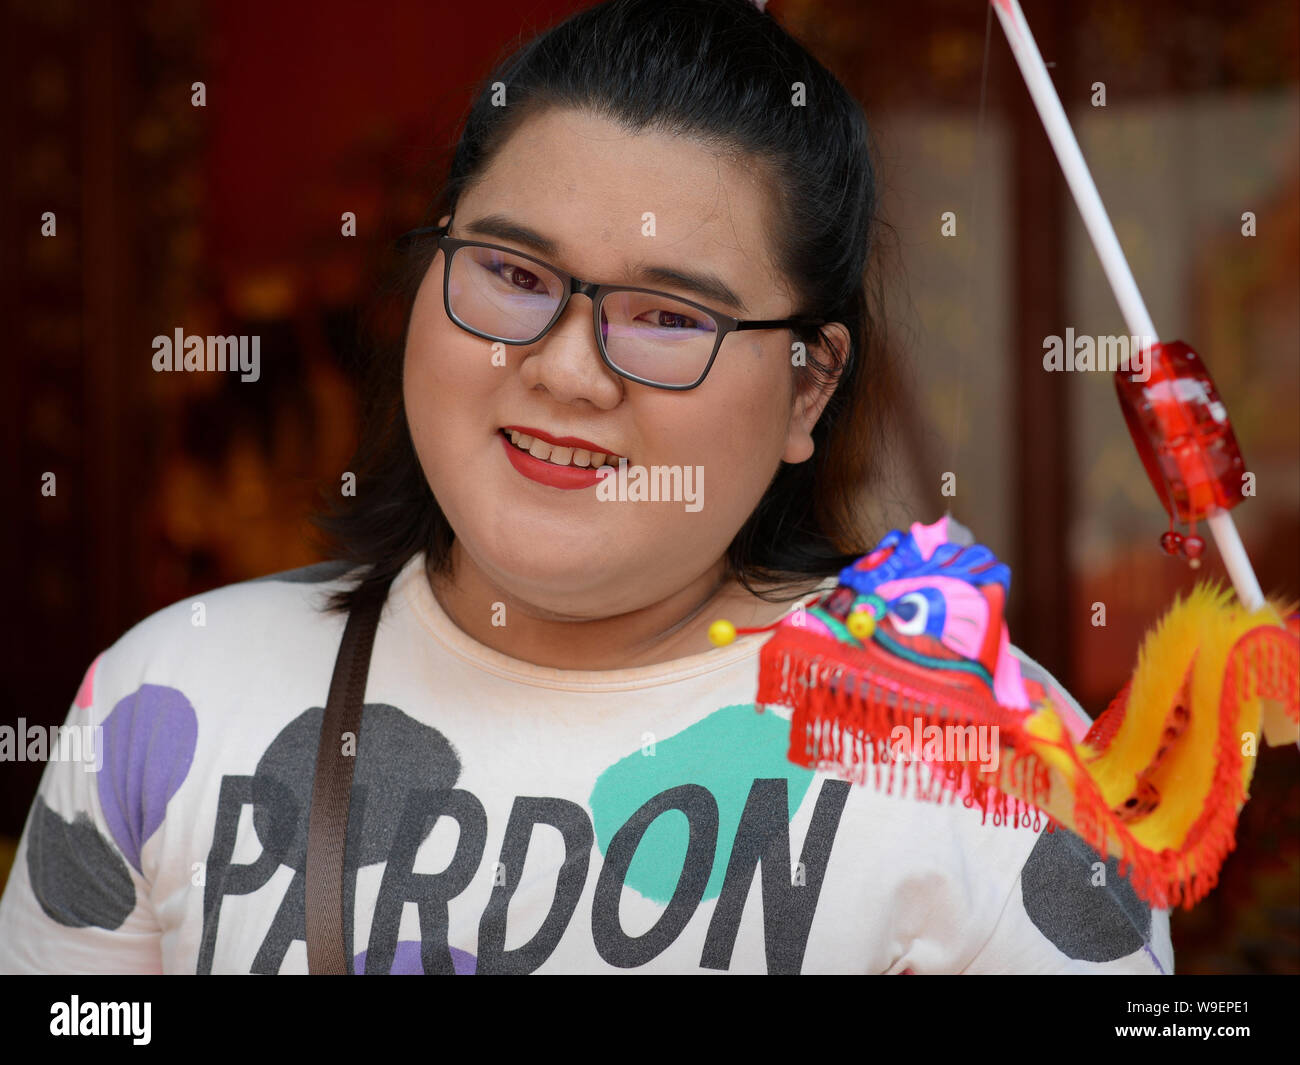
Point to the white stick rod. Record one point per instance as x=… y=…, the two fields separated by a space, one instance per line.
x=1076 y=171
x=1234 y=558
x=1131 y=304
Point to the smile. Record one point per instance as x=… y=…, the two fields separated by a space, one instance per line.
x=556 y=454
x=545 y=470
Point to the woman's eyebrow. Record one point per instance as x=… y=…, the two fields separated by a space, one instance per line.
x=707 y=285
x=503 y=228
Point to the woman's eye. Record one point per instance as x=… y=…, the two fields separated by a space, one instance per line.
x=519 y=277
x=671 y=320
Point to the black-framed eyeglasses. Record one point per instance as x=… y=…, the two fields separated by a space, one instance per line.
x=644 y=335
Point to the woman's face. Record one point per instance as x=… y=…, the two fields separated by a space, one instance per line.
x=586 y=185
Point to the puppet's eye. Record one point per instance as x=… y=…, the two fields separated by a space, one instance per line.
x=911 y=613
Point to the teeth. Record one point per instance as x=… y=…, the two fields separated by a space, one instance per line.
x=561 y=456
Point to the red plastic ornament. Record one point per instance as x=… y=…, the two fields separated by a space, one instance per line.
x=1182 y=433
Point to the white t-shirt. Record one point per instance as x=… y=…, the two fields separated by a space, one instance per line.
x=510 y=818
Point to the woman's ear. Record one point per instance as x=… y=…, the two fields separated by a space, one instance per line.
x=813 y=395
x=444 y=220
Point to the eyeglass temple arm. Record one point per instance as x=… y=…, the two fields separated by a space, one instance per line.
x=410 y=235
x=778 y=323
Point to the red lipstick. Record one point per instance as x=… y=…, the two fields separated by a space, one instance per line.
x=548 y=473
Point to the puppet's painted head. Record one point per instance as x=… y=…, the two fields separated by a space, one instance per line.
x=928 y=602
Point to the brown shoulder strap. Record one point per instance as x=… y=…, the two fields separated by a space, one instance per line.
x=327 y=825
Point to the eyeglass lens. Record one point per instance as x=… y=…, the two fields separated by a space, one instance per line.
x=656 y=338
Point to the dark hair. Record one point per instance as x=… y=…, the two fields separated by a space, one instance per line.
x=724 y=73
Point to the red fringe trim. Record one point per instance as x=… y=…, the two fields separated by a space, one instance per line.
x=1103 y=730
x=847 y=701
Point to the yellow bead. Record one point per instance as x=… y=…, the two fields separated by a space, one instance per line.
x=722 y=632
x=862 y=624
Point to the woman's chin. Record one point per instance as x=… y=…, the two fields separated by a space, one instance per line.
x=550 y=566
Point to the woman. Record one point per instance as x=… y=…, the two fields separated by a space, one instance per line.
x=556 y=766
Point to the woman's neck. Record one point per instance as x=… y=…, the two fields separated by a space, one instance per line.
x=671 y=628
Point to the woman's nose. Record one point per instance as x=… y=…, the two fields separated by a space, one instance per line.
x=567 y=359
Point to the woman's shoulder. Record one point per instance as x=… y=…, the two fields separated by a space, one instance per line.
x=1077 y=720
x=253 y=626
x=269 y=598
